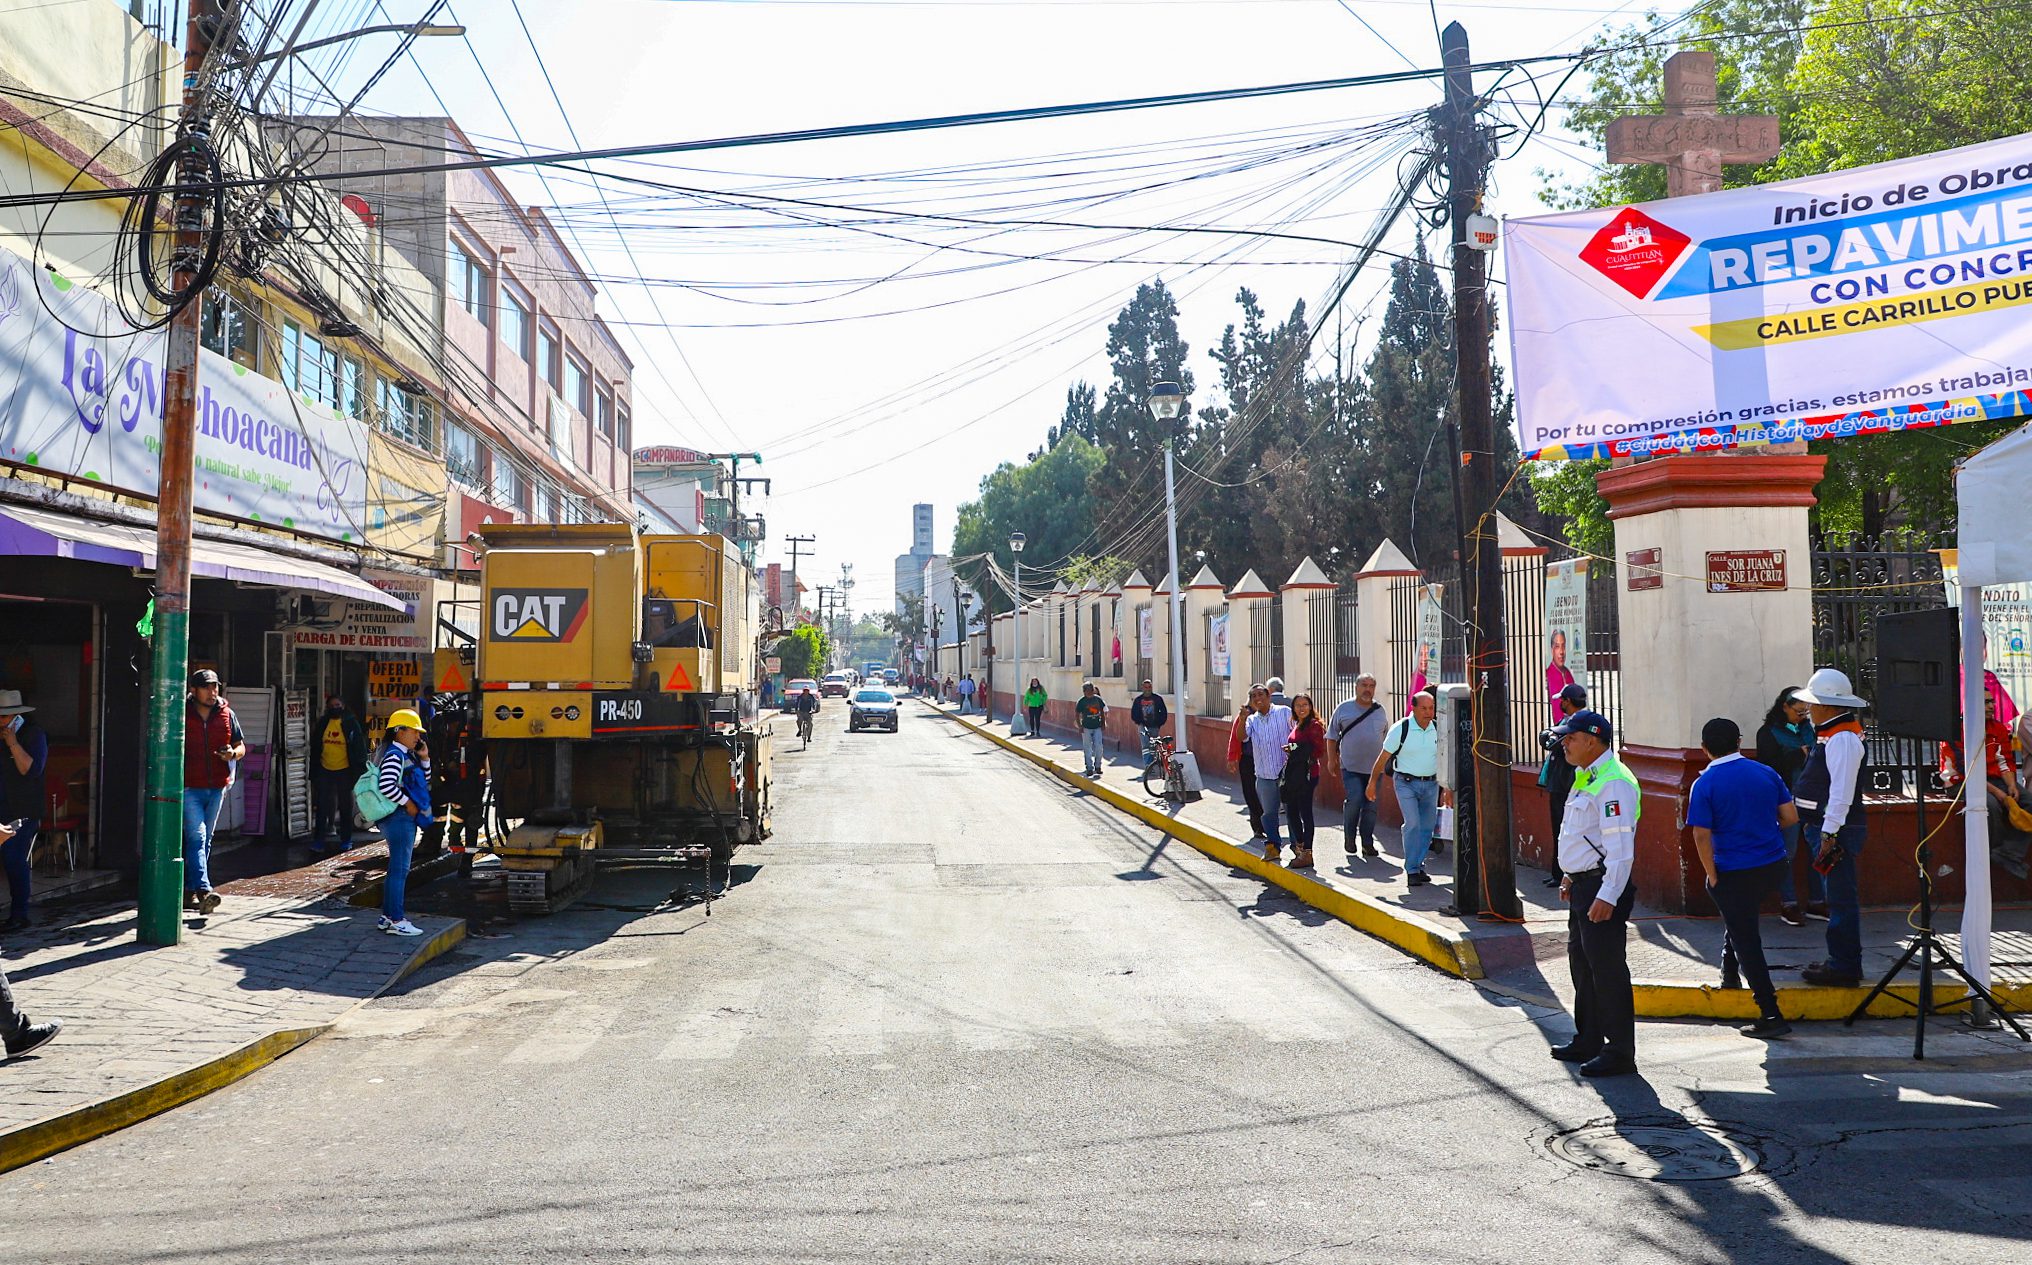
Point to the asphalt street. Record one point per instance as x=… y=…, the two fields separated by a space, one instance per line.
x=955 y=1011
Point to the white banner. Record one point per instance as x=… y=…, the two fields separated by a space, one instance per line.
x=1217 y=645
x=2007 y=634
x=1884 y=298
x=1429 y=655
x=1566 y=585
x=1146 y=639
x=81 y=394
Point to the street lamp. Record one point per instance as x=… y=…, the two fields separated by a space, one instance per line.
x=1017 y=725
x=1167 y=405
x=419 y=29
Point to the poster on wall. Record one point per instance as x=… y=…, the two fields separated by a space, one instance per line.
x=1427 y=659
x=81 y=394
x=1146 y=639
x=341 y=624
x=2007 y=635
x=1866 y=301
x=1566 y=585
x=1217 y=645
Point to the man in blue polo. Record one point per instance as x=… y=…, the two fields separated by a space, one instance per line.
x=1739 y=811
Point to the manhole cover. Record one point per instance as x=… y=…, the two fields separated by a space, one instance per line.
x=1660 y=1152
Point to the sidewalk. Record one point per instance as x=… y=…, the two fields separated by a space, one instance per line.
x=146 y=1029
x=1675 y=959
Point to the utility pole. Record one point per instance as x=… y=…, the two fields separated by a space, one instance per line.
x=796 y=603
x=1468 y=153
x=158 y=909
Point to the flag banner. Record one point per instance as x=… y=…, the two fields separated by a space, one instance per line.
x=1869 y=301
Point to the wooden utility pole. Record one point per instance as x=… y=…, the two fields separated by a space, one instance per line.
x=797 y=551
x=1468 y=153
x=159 y=903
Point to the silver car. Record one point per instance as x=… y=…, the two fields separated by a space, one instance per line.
x=873 y=709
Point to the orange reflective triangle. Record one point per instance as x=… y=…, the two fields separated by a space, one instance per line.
x=678 y=680
x=450 y=680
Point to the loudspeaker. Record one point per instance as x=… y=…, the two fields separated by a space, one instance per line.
x=1918 y=674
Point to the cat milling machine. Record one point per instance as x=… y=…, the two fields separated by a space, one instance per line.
x=615 y=686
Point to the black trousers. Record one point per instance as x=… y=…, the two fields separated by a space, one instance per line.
x=1298 y=804
x=11 y=1018
x=1739 y=894
x=1597 y=955
x=1036 y=715
x=1246 y=770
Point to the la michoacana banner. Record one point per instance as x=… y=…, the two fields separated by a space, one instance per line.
x=1874 y=300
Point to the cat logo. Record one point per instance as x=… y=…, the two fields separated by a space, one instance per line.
x=552 y=615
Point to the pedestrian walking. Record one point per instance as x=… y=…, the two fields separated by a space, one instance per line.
x=1411 y=749
x=1304 y=748
x=1597 y=851
x=24 y=760
x=342 y=757
x=966 y=688
x=1148 y=713
x=1242 y=763
x=212 y=749
x=18 y=1034
x=403 y=781
x=1092 y=713
x=1830 y=799
x=1784 y=741
x=1034 y=700
x=1277 y=696
x=1269 y=729
x=1738 y=810
x=1556 y=775
x=1357 y=729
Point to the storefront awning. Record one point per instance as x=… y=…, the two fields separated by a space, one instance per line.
x=48 y=533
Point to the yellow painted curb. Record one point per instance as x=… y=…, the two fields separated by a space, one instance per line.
x=45 y=1138
x=1663 y=999
x=1449 y=950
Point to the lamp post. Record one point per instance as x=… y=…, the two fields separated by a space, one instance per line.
x=1017 y=724
x=1167 y=405
x=960 y=633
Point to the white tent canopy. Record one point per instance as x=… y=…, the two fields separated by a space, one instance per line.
x=1994 y=546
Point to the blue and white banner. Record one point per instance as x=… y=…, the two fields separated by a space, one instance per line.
x=1878 y=299
x=81 y=394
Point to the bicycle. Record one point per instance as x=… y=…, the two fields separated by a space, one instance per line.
x=804 y=729
x=1162 y=775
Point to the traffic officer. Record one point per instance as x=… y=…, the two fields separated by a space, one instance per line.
x=1597 y=849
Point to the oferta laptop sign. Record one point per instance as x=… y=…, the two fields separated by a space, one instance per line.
x=1880 y=299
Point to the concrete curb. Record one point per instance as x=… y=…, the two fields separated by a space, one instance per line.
x=61 y=1132
x=1454 y=951
x=1450 y=950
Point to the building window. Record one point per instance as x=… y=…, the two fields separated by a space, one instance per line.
x=516 y=320
x=575 y=385
x=552 y=363
x=409 y=418
x=308 y=366
x=462 y=456
x=509 y=485
x=606 y=417
x=468 y=282
x=227 y=329
x=539 y=505
x=621 y=427
x=352 y=387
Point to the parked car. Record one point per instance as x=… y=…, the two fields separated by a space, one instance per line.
x=873 y=709
x=835 y=685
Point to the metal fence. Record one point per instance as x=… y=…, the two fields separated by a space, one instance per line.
x=1407 y=658
x=1266 y=638
x=1320 y=648
x=1347 y=662
x=1215 y=693
x=1855 y=579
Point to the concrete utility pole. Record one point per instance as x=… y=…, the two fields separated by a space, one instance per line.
x=158 y=909
x=1468 y=153
x=796 y=603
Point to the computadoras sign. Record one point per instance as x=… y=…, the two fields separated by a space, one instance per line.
x=1866 y=301
x=81 y=394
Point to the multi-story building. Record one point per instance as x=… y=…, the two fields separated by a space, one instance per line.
x=910 y=566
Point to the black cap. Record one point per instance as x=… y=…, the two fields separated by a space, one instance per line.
x=203 y=676
x=1586 y=723
x=1721 y=736
x=1574 y=693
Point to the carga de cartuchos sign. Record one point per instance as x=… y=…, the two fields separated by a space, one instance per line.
x=81 y=394
x=1878 y=299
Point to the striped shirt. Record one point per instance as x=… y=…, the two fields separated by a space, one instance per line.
x=394 y=762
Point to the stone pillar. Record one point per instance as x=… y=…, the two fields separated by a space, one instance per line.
x=1692 y=650
x=1203 y=594
x=1244 y=600
x=1160 y=636
x=1385 y=566
x=1304 y=582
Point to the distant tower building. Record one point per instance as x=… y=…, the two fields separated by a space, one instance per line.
x=910 y=566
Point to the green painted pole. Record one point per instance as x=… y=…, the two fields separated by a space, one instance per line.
x=160 y=910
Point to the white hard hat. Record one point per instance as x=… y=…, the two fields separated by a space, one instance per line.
x=1830 y=688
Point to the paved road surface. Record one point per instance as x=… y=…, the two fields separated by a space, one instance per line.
x=958 y=1013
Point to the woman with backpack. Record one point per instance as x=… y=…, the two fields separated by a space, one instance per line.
x=402 y=781
x=1303 y=750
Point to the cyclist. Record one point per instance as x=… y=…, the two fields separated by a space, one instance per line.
x=1149 y=714
x=806 y=707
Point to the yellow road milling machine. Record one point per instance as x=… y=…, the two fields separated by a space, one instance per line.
x=615 y=686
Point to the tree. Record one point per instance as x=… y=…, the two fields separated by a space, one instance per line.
x=1045 y=498
x=1144 y=348
x=805 y=651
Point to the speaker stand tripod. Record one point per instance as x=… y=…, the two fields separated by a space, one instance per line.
x=1928 y=947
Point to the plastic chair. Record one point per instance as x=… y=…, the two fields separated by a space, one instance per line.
x=65 y=817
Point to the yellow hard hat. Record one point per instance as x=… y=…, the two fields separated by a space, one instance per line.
x=405 y=719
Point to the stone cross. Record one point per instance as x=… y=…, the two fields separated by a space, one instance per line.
x=1690 y=140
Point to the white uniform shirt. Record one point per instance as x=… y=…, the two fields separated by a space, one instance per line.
x=1600 y=829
